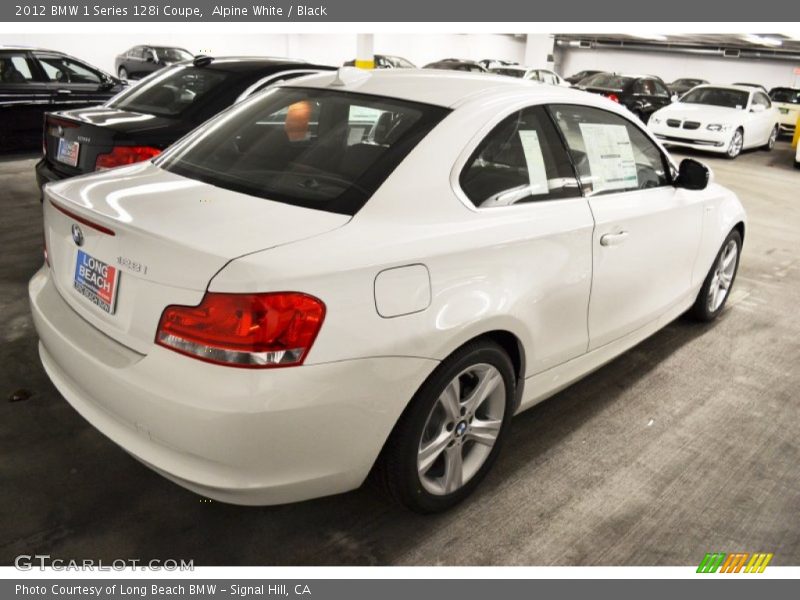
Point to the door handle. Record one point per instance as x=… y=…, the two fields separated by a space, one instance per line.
x=613 y=239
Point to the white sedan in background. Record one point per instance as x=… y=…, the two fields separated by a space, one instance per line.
x=722 y=119
x=369 y=270
x=541 y=75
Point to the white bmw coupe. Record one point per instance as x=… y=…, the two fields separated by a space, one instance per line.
x=369 y=272
x=722 y=119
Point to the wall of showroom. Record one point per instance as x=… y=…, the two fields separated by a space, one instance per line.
x=100 y=49
x=673 y=65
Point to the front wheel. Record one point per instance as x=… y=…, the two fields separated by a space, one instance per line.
x=123 y=73
x=737 y=142
x=719 y=281
x=448 y=438
x=773 y=136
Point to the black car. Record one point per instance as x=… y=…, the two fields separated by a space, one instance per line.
x=34 y=81
x=384 y=61
x=494 y=63
x=641 y=94
x=680 y=86
x=580 y=76
x=457 y=64
x=139 y=123
x=140 y=61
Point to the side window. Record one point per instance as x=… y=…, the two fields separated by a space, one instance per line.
x=547 y=77
x=66 y=70
x=15 y=68
x=762 y=99
x=610 y=153
x=534 y=76
x=645 y=87
x=521 y=160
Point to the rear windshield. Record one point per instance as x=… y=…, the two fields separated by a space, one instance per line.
x=608 y=81
x=717 y=97
x=321 y=149
x=172 y=91
x=509 y=72
x=788 y=95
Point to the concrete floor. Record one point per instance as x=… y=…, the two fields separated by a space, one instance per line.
x=687 y=444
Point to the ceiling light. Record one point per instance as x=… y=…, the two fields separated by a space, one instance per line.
x=762 y=40
x=650 y=36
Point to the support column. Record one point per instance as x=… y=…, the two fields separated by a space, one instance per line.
x=539 y=50
x=365 y=53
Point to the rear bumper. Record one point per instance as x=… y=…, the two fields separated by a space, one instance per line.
x=236 y=435
x=45 y=174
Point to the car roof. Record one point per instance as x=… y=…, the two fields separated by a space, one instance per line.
x=441 y=88
x=738 y=88
x=29 y=49
x=249 y=63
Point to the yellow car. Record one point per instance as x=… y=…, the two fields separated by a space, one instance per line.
x=787 y=101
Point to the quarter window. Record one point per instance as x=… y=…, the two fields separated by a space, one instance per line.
x=610 y=153
x=521 y=160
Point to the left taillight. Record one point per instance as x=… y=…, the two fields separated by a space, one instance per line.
x=244 y=330
x=124 y=155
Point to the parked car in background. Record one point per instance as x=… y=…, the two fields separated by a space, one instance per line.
x=580 y=76
x=263 y=315
x=757 y=86
x=385 y=61
x=491 y=63
x=721 y=119
x=641 y=94
x=456 y=64
x=140 y=61
x=540 y=75
x=680 y=86
x=787 y=101
x=139 y=123
x=34 y=81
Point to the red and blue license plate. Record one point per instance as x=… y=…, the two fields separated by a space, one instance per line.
x=96 y=281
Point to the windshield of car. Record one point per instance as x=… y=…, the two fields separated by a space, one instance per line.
x=322 y=149
x=172 y=54
x=608 y=81
x=787 y=95
x=172 y=91
x=508 y=72
x=716 y=97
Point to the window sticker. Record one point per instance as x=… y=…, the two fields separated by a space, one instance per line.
x=610 y=155
x=537 y=175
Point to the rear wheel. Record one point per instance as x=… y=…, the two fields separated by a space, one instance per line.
x=448 y=438
x=736 y=144
x=773 y=136
x=123 y=73
x=719 y=281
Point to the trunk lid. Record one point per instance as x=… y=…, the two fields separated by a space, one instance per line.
x=96 y=130
x=165 y=235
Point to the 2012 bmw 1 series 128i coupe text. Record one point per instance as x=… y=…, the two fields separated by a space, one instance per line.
x=369 y=271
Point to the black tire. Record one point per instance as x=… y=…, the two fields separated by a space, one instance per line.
x=396 y=468
x=123 y=73
x=797 y=164
x=701 y=309
x=773 y=136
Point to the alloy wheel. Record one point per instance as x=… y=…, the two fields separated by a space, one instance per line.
x=772 y=137
x=461 y=429
x=723 y=276
x=735 y=146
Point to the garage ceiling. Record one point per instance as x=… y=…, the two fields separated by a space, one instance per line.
x=761 y=45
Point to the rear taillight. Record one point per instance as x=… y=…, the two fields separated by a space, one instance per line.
x=124 y=155
x=244 y=330
x=613 y=98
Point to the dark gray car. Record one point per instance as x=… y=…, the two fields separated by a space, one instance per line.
x=140 y=61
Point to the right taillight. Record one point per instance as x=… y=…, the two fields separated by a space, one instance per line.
x=124 y=155
x=613 y=98
x=273 y=329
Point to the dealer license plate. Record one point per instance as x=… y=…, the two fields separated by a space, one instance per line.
x=68 y=152
x=96 y=281
x=784 y=111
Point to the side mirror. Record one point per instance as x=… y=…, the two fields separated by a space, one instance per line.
x=693 y=175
